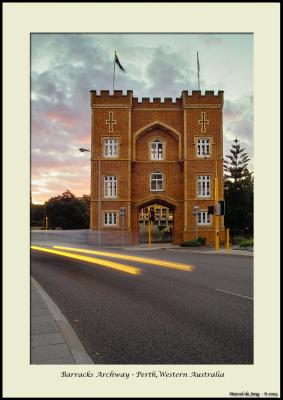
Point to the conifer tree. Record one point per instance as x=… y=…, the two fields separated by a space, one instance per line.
x=238 y=191
x=236 y=163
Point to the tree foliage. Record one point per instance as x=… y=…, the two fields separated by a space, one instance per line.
x=65 y=211
x=37 y=214
x=238 y=191
x=236 y=162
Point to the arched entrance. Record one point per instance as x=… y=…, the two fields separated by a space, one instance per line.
x=162 y=227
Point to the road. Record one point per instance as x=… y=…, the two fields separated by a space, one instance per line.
x=155 y=315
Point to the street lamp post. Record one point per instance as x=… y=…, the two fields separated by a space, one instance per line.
x=99 y=195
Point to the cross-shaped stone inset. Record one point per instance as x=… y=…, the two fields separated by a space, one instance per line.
x=203 y=122
x=111 y=121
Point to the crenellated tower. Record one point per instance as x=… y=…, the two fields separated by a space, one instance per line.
x=159 y=151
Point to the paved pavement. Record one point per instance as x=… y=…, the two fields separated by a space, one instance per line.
x=53 y=340
x=234 y=250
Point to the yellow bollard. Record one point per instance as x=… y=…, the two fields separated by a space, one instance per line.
x=227 y=241
x=216 y=217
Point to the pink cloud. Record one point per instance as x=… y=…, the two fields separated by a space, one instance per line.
x=65 y=120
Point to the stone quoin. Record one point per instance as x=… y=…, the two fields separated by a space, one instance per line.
x=161 y=152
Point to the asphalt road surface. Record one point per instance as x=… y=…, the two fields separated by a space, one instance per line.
x=159 y=316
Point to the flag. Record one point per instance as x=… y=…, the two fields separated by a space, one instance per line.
x=198 y=71
x=118 y=63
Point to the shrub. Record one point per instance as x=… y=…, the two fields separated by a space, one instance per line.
x=191 y=243
x=246 y=243
x=236 y=240
x=202 y=240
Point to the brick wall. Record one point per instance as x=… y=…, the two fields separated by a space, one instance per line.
x=178 y=124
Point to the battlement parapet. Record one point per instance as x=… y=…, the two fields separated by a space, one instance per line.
x=106 y=97
x=108 y=93
x=209 y=97
x=157 y=102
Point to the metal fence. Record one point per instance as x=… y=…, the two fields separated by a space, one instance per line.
x=81 y=236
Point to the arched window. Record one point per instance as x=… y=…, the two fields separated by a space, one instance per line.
x=156 y=181
x=157 y=149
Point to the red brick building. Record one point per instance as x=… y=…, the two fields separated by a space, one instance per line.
x=162 y=153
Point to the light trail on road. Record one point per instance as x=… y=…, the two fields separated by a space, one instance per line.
x=162 y=316
x=105 y=263
x=160 y=263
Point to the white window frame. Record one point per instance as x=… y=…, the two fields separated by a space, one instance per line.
x=203 y=186
x=156 y=180
x=203 y=144
x=110 y=186
x=110 y=218
x=155 y=154
x=110 y=147
x=203 y=218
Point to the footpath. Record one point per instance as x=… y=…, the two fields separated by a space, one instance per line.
x=53 y=340
x=234 y=250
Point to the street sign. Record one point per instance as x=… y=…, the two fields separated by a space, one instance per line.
x=122 y=211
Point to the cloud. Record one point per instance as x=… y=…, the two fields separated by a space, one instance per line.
x=169 y=70
x=238 y=122
x=65 y=67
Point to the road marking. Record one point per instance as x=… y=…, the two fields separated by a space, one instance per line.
x=167 y=264
x=125 y=268
x=234 y=294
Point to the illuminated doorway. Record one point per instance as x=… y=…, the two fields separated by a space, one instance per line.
x=161 y=227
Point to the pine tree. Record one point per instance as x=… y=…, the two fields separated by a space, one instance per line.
x=238 y=191
x=236 y=163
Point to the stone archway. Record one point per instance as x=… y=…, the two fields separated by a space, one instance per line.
x=163 y=228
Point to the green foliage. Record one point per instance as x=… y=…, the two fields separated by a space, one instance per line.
x=238 y=192
x=67 y=211
x=236 y=162
x=191 y=243
x=202 y=240
x=37 y=214
x=244 y=243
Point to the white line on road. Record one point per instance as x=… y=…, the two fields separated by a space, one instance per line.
x=234 y=294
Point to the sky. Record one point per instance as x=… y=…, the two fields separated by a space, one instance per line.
x=65 y=67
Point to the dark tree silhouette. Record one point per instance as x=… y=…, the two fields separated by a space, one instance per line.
x=238 y=191
x=236 y=162
x=67 y=212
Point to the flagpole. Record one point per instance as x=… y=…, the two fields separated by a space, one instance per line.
x=198 y=70
x=114 y=69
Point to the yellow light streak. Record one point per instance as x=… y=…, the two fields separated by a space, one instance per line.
x=167 y=264
x=105 y=263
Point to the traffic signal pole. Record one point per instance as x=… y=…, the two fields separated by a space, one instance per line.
x=46 y=227
x=216 y=218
